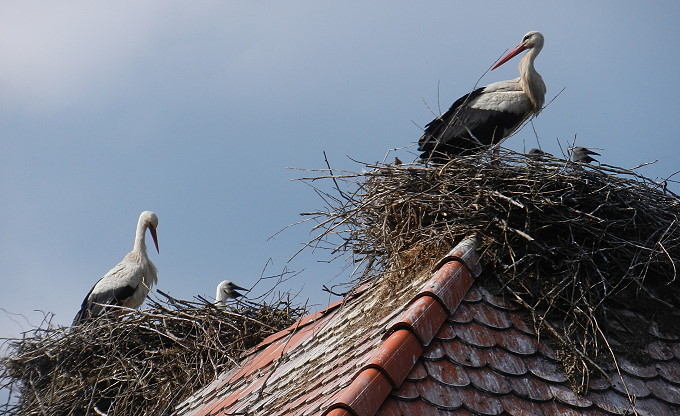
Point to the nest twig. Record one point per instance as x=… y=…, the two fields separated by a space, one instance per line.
x=134 y=362
x=568 y=239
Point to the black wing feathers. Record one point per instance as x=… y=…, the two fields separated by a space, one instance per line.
x=91 y=308
x=465 y=130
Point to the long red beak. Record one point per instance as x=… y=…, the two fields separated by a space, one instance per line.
x=152 y=230
x=519 y=48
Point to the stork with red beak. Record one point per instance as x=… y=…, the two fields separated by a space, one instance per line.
x=488 y=115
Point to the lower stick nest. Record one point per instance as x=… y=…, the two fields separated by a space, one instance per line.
x=134 y=362
x=567 y=241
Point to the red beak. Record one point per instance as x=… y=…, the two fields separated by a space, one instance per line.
x=152 y=230
x=519 y=48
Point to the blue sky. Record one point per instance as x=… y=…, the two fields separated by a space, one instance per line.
x=198 y=110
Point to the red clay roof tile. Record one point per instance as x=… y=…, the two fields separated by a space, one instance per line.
x=505 y=362
x=476 y=335
x=447 y=373
x=339 y=412
x=418 y=372
x=424 y=316
x=545 y=369
x=397 y=355
x=436 y=395
x=489 y=381
x=481 y=403
x=447 y=350
x=360 y=396
x=461 y=353
x=407 y=391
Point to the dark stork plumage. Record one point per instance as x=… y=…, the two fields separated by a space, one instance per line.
x=128 y=283
x=583 y=155
x=488 y=115
x=538 y=153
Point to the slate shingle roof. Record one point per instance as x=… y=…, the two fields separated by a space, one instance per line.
x=438 y=345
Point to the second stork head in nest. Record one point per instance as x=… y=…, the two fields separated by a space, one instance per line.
x=487 y=115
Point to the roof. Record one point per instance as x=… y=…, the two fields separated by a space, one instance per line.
x=438 y=344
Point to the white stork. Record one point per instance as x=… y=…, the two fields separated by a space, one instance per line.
x=583 y=155
x=227 y=290
x=128 y=283
x=488 y=115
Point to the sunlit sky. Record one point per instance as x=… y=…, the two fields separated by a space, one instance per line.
x=197 y=110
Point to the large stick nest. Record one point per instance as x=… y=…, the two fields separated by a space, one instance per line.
x=566 y=240
x=134 y=362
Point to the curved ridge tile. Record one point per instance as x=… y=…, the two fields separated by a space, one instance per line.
x=397 y=355
x=339 y=412
x=389 y=408
x=364 y=395
x=424 y=316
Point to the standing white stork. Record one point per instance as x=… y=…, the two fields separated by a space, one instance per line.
x=227 y=290
x=489 y=114
x=128 y=283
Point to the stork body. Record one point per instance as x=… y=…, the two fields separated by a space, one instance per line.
x=488 y=115
x=227 y=290
x=128 y=283
x=583 y=155
x=538 y=153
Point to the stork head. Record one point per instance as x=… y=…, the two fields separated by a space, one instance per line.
x=532 y=40
x=149 y=220
x=227 y=290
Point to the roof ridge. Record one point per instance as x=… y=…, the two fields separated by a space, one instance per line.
x=406 y=339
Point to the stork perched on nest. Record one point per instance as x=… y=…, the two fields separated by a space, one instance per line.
x=227 y=290
x=487 y=115
x=583 y=155
x=128 y=283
